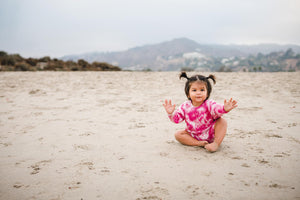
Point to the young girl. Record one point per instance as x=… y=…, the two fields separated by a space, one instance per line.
x=204 y=125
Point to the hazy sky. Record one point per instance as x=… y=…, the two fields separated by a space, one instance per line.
x=36 y=28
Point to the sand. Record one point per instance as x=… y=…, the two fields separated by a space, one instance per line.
x=105 y=135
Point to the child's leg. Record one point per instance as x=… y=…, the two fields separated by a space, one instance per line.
x=220 y=132
x=184 y=138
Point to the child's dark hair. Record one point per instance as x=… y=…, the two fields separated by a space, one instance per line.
x=195 y=78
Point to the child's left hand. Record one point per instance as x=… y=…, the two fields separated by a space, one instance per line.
x=229 y=105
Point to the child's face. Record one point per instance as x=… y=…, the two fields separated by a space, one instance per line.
x=198 y=93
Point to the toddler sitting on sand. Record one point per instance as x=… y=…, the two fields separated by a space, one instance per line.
x=204 y=125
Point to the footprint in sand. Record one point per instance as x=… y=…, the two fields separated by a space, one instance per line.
x=142 y=109
x=171 y=142
x=273 y=136
x=193 y=190
x=38 y=166
x=282 y=154
x=87 y=134
x=81 y=147
x=163 y=154
x=89 y=165
x=137 y=125
x=292 y=124
x=74 y=185
x=84 y=163
x=236 y=158
x=245 y=165
x=37 y=92
x=153 y=192
x=263 y=161
x=271 y=121
x=18 y=185
x=105 y=170
x=277 y=186
x=6 y=144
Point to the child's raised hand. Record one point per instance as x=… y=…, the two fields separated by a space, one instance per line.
x=229 y=105
x=169 y=107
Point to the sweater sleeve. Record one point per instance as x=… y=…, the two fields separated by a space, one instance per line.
x=216 y=110
x=178 y=115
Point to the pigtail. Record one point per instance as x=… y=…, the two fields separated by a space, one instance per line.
x=212 y=77
x=184 y=75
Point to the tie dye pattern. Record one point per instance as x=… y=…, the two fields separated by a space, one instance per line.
x=200 y=121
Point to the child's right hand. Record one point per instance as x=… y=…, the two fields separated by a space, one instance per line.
x=169 y=107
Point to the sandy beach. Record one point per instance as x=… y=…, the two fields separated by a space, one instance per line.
x=106 y=135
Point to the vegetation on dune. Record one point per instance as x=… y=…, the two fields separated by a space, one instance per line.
x=15 y=62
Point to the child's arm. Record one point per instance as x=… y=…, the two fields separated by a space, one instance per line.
x=217 y=110
x=176 y=116
x=229 y=105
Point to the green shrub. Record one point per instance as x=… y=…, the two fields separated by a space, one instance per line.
x=8 y=60
x=22 y=67
x=45 y=59
x=83 y=63
x=31 y=61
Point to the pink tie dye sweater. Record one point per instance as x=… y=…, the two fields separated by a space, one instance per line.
x=200 y=121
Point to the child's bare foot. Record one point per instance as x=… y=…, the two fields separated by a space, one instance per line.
x=212 y=147
x=202 y=143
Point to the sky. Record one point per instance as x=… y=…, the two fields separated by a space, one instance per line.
x=37 y=28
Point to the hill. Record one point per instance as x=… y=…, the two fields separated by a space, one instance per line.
x=178 y=53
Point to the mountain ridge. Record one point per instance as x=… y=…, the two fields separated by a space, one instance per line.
x=170 y=55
